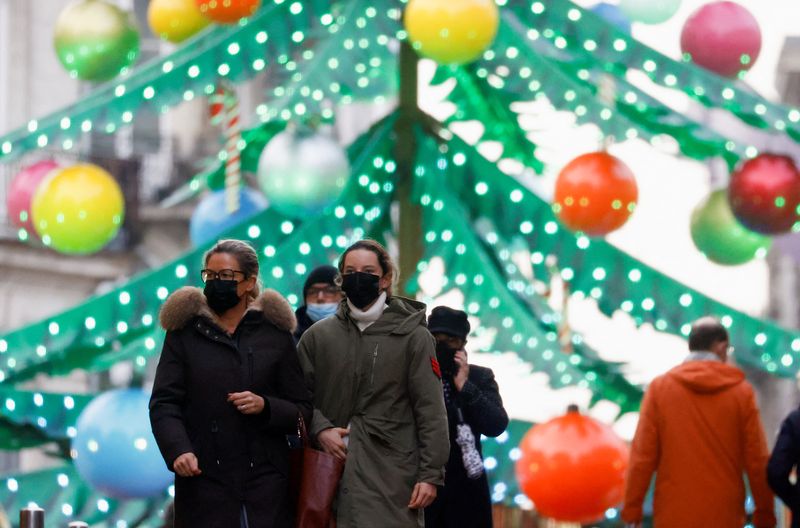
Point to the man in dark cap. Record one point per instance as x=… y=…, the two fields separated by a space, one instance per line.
x=321 y=298
x=474 y=408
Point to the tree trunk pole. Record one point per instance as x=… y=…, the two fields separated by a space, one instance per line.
x=410 y=212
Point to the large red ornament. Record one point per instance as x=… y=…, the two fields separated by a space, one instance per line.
x=228 y=11
x=595 y=193
x=722 y=37
x=573 y=468
x=764 y=193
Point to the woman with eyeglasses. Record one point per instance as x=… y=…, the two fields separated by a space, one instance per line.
x=377 y=395
x=227 y=391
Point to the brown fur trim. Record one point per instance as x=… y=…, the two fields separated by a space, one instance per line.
x=276 y=310
x=182 y=306
x=188 y=302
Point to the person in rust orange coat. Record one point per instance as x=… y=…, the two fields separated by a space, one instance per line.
x=700 y=431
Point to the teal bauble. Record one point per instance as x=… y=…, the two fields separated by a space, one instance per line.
x=649 y=11
x=302 y=172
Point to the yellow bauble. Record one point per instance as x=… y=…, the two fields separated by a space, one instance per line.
x=451 y=31
x=175 y=20
x=78 y=210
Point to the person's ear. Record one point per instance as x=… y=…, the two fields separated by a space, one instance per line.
x=249 y=284
x=385 y=282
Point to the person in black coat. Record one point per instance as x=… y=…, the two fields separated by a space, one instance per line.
x=784 y=459
x=474 y=408
x=227 y=391
x=321 y=298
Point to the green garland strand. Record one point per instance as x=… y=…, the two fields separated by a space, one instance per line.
x=579 y=31
x=525 y=66
x=122 y=324
x=616 y=280
x=190 y=71
x=529 y=330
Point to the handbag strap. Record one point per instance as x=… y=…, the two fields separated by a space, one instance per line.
x=302 y=432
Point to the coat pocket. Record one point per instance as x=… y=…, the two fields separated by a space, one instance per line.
x=392 y=436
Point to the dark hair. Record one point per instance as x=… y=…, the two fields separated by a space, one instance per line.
x=244 y=254
x=705 y=332
x=384 y=260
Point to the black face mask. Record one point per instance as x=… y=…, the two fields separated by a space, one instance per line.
x=221 y=295
x=361 y=288
x=447 y=358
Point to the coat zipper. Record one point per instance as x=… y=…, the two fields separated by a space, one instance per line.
x=374 y=358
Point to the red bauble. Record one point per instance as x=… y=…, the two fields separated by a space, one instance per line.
x=722 y=37
x=764 y=193
x=228 y=11
x=573 y=468
x=595 y=194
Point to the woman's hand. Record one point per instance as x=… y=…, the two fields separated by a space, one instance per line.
x=246 y=402
x=423 y=495
x=462 y=374
x=186 y=465
x=330 y=440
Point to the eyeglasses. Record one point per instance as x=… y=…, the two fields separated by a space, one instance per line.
x=226 y=274
x=329 y=290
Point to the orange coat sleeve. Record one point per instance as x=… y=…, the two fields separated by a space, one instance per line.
x=645 y=454
x=756 y=458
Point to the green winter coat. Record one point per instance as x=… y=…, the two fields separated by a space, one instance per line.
x=385 y=383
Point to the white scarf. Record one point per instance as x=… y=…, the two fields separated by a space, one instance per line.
x=365 y=318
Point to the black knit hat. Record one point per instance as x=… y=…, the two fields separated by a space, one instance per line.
x=325 y=274
x=444 y=320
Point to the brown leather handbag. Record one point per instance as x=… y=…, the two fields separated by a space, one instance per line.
x=313 y=481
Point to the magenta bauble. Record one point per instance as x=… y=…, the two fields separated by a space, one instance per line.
x=21 y=191
x=723 y=37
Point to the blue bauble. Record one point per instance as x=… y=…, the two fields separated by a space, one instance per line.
x=613 y=15
x=211 y=218
x=114 y=449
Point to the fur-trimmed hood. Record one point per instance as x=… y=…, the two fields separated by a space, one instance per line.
x=189 y=302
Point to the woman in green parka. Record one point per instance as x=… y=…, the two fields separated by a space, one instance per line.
x=377 y=396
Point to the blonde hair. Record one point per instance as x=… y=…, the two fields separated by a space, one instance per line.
x=384 y=260
x=244 y=254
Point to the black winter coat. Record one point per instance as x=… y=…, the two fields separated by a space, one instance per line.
x=244 y=459
x=465 y=502
x=785 y=456
x=304 y=322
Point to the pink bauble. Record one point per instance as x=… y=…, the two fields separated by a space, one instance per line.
x=21 y=192
x=723 y=37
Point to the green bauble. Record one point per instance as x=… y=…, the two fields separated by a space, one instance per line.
x=302 y=172
x=717 y=233
x=95 y=40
